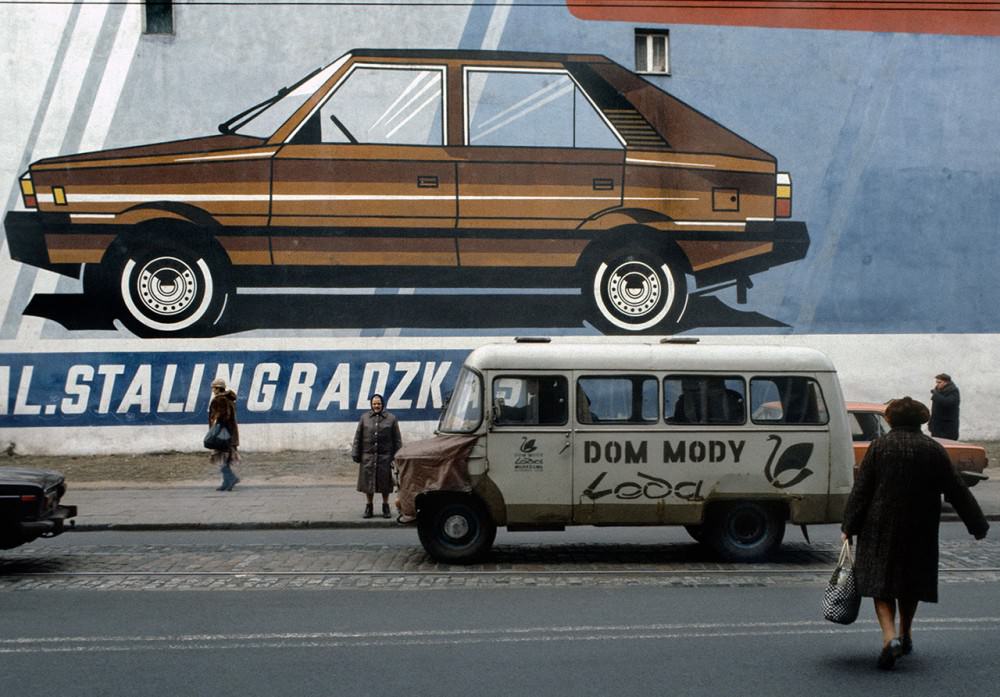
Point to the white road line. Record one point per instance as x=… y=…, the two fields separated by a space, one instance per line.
x=431 y=637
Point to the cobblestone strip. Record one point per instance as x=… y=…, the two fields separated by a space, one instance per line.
x=383 y=567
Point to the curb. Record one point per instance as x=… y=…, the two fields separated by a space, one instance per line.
x=277 y=525
x=300 y=525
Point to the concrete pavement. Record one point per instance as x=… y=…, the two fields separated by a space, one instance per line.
x=135 y=506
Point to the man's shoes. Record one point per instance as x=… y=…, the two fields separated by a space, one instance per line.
x=890 y=652
x=907 y=645
x=235 y=482
x=368 y=511
x=220 y=488
x=385 y=511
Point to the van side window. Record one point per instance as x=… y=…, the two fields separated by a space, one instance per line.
x=704 y=399
x=532 y=400
x=787 y=399
x=619 y=399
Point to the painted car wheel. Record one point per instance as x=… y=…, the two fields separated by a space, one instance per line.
x=170 y=292
x=637 y=292
x=456 y=530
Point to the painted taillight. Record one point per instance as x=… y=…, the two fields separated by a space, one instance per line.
x=28 y=191
x=783 y=196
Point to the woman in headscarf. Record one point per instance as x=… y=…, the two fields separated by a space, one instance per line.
x=376 y=441
x=895 y=509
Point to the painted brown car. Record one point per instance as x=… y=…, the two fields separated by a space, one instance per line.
x=867 y=422
x=422 y=168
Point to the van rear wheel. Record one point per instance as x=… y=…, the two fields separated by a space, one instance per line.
x=456 y=530
x=745 y=531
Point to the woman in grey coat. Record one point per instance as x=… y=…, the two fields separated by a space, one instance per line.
x=894 y=509
x=375 y=444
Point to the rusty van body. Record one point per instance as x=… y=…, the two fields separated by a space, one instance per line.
x=421 y=168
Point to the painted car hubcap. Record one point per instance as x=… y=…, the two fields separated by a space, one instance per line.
x=167 y=286
x=634 y=289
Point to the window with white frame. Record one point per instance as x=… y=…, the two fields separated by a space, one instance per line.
x=652 y=51
x=159 y=17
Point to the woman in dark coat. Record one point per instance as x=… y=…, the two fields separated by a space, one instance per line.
x=894 y=509
x=222 y=409
x=375 y=444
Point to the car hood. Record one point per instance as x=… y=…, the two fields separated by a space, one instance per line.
x=176 y=147
x=19 y=476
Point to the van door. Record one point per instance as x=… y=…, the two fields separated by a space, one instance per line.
x=617 y=442
x=529 y=448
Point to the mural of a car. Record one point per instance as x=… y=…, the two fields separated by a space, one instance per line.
x=421 y=168
x=867 y=422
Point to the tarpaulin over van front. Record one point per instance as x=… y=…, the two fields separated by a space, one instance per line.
x=437 y=464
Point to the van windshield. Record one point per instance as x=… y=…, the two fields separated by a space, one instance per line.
x=465 y=409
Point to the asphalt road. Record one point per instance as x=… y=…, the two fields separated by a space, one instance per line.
x=706 y=632
x=568 y=641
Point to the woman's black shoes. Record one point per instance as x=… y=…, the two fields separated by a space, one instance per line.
x=890 y=652
x=368 y=511
x=907 y=644
x=385 y=511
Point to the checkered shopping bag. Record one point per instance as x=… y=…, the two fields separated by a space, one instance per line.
x=841 y=600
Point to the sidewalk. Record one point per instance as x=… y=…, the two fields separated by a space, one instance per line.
x=128 y=506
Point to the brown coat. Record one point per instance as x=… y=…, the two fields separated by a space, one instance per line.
x=223 y=408
x=376 y=441
x=895 y=508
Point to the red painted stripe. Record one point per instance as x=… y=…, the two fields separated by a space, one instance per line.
x=926 y=17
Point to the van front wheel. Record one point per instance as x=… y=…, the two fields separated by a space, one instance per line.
x=456 y=530
x=745 y=531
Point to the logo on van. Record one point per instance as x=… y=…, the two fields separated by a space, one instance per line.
x=529 y=460
x=793 y=460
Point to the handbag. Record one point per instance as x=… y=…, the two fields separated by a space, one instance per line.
x=218 y=437
x=841 y=600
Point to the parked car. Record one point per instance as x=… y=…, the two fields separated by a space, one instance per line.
x=867 y=421
x=421 y=168
x=30 y=505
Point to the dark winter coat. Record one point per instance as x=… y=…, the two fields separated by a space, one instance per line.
x=375 y=444
x=944 y=411
x=223 y=408
x=895 y=508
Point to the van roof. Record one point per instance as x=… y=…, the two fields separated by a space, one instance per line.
x=636 y=356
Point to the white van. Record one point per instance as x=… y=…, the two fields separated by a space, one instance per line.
x=732 y=442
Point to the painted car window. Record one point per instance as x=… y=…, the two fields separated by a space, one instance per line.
x=265 y=120
x=620 y=399
x=535 y=400
x=527 y=109
x=787 y=399
x=465 y=408
x=390 y=106
x=704 y=399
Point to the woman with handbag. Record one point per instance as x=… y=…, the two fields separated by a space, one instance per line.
x=895 y=509
x=222 y=411
x=376 y=441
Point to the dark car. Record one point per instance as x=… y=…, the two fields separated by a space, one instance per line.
x=30 y=505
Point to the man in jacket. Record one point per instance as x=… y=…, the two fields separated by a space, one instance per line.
x=945 y=399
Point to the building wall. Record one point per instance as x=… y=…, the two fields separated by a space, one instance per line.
x=890 y=138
